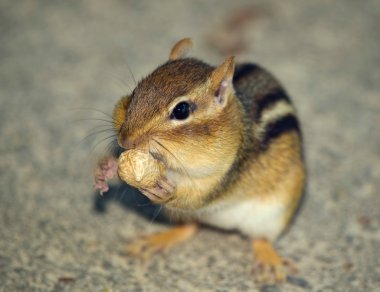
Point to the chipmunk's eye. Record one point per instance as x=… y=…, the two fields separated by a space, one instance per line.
x=181 y=111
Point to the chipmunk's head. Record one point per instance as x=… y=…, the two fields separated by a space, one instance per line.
x=181 y=113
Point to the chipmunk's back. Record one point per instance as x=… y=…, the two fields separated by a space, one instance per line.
x=266 y=103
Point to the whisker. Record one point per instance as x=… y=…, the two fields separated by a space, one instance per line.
x=144 y=205
x=96 y=119
x=124 y=86
x=98 y=132
x=102 y=126
x=106 y=138
x=167 y=150
x=121 y=196
x=156 y=213
x=131 y=73
x=95 y=110
x=111 y=120
x=179 y=162
x=99 y=142
x=112 y=147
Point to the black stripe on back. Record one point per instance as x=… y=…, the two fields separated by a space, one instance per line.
x=270 y=99
x=244 y=70
x=277 y=128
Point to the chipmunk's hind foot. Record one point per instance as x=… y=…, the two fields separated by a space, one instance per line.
x=269 y=266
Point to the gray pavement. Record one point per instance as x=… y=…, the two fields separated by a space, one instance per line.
x=59 y=57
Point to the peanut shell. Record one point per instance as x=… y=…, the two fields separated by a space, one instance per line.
x=139 y=169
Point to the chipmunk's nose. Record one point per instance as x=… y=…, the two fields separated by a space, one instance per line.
x=128 y=144
x=124 y=140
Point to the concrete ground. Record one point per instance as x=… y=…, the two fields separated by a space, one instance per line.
x=62 y=61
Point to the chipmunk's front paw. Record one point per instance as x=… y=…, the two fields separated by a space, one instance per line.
x=161 y=192
x=269 y=267
x=106 y=169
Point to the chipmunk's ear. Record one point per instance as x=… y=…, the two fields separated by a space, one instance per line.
x=181 y=49
x=221 y=81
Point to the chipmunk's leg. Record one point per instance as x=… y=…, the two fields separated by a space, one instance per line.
x=105 y=169
x=145 y=247
x=269 y=266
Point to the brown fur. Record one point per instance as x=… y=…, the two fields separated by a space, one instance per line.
x=236 y=160
x=216 y=153
x=154 y=93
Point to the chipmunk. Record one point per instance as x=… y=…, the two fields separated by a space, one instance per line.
x=230 y=142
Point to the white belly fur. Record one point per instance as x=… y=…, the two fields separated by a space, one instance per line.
x=253 y=217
